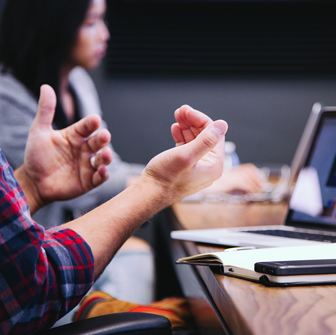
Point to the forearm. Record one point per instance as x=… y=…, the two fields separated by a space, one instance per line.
x=168 y=177
x=107 y=227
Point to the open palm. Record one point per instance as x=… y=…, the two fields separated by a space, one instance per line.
x=58 y=161
x=197 y=159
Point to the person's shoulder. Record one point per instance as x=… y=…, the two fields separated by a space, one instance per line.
x=13 y=90
x=79 y=76
x=85 y=90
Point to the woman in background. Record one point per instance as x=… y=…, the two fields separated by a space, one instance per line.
x=54 y=42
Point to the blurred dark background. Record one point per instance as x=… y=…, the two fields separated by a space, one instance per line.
x=260 y=65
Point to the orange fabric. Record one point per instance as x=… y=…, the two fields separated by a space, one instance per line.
x=99 y=303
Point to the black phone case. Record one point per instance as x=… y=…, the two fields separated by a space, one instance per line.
x=303 y=267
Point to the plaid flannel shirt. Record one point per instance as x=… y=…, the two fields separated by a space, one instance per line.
x=43 y=273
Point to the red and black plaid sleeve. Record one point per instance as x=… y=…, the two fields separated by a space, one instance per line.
x=43 y=273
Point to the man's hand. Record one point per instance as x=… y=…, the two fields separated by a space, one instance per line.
x=197 y=160
x=245 y=178
x=57 y=163
x=189 y=124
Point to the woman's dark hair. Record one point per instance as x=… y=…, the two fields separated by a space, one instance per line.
x=36 y=37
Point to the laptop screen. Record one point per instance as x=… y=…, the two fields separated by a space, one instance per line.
x=313 y=201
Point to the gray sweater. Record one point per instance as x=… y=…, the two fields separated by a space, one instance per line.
x=17 y=111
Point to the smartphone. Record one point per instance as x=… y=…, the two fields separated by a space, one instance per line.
x=306 y=267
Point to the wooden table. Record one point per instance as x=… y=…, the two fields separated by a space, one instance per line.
x=226 y=305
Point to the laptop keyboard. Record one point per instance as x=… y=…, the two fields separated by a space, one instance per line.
x=295 y=234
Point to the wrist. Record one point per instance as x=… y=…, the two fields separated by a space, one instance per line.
x=158 y=193
x=30 y=190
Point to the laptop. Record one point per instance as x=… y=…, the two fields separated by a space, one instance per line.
x=311 y=218
x=287 y=175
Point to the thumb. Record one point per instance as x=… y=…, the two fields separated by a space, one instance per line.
x=46 y=107
x=207 y=140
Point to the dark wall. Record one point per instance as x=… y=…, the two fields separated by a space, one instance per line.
x=260 y=65
x=265 y=117
x=2 y=2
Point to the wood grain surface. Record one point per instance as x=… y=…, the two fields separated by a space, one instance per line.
x=248 y=307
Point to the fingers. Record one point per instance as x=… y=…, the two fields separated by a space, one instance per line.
x=177 y=134
x=86 y=126
x=46 y=108
x=212 y=138
x=191 y=122
x=99 y=140
x=100 y=162
x=103 y=157
x=245 y=177
x=252 y=176
x=100 y=176
x=247 y=185
x=187 y=117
